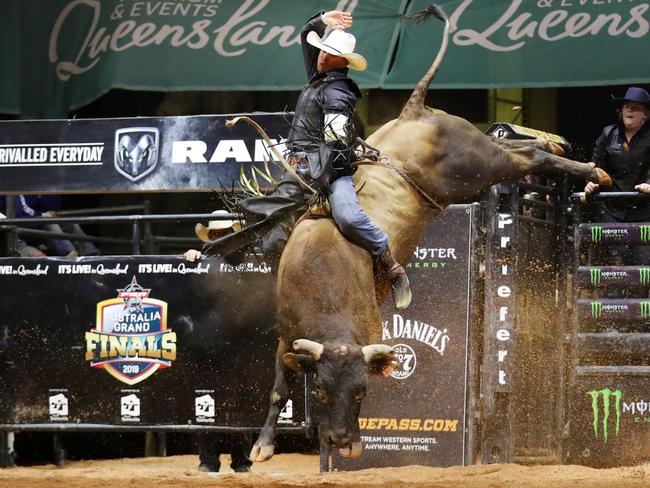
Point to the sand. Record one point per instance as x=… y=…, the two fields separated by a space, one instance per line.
x=290 y=470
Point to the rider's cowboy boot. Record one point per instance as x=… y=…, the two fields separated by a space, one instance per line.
x=398 y=279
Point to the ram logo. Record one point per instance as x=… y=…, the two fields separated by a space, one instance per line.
x=136 y=151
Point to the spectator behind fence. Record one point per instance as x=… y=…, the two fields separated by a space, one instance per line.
x=214 y=230
x=22 y=248
x=48 y=206
x=623 y=150
x=211 y=446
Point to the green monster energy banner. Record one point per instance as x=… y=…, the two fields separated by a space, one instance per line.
x=611 y=276
x=600 y=405
x=609 y=417
x=72 y=51
x=614 y=310
x=623 y=233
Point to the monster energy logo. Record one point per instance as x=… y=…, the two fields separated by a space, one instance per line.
x=644 y=230
x=595 y=276
x=644 y=276
x=645 y=309
x=605 y=394
x=596 y=309
x=596 y=233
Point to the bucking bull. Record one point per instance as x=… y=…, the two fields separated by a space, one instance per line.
x=327 y=295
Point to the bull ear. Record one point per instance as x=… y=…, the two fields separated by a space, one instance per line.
x=302 y=363
x=379 y=358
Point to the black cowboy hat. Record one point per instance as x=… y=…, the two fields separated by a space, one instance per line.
x=633 y=94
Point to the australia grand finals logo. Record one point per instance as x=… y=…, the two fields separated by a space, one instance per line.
x=131 y=340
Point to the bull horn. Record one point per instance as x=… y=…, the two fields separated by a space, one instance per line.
x=312 y=347
x=369 y=352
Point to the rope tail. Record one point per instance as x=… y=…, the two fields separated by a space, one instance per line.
x=230 y=123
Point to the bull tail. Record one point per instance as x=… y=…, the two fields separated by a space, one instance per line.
x=415 y=103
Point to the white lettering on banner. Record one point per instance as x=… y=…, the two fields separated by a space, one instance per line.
x=182 y=268
x=229 y=39
x=403 y=328
x=132 y=27
x=192 y=151
x=233 y=149
x=51 y=154
x=503 y=335
x=503 y=291
x=263 y=151
x=503 y=220
x=100 y=269
x=503 y=311
x=23 y=270
x=516 y=24
x=434 y=252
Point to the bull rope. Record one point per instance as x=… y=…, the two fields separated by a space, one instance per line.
x=230 y=124
x=385 y=162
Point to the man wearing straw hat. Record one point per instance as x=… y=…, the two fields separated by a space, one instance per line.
x=212 y=445
x=320 y=146
x=215 y=229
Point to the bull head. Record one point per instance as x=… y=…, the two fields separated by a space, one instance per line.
x=341 y=375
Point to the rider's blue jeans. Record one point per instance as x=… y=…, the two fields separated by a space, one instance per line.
x=351 y=220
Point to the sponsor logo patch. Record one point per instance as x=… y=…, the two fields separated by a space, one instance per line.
x=136 y=151
x=131 y=340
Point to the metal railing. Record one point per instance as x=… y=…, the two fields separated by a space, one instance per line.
x=137 y=222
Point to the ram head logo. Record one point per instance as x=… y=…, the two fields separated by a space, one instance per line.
x=136 y=151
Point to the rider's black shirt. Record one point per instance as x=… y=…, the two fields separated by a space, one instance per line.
x=326 y=93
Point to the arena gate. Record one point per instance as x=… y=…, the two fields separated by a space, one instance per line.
x=609 y=405
x=486 y=277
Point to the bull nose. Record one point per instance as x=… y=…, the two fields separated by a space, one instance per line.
x=341 y=439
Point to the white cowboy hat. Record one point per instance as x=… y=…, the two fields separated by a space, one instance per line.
x=202 y=231
x=339 y=43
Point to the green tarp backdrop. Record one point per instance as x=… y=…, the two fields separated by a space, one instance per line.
x=57 y=55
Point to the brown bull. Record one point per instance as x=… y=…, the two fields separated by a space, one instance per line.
x=328 y=300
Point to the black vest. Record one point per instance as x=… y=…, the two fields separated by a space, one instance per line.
x=307 y=128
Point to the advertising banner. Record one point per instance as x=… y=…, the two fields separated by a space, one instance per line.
x=138 y=154
x=138 y=341
x=418 y=414
x=619 y=233
x=609 y=419
x=613 y=310
x=76 y=50
x=611 y=276
x=517 y=43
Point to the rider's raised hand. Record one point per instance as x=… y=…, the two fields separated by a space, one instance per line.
x=591 y=188
x=337 y=19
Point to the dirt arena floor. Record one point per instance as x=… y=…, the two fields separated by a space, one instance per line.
x=293 y=470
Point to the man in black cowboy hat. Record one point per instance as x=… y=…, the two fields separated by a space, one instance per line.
x=623 y=150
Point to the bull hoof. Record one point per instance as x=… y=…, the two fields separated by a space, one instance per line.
x=401 y=291
x=261 y=453
x=352 y=452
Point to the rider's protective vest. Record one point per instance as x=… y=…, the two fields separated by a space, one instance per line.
x=334 y=93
